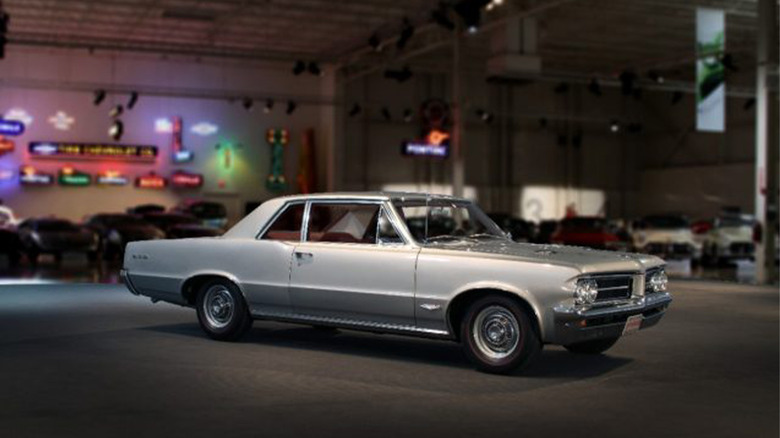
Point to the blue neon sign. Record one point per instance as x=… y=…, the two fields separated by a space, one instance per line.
x=11 y=127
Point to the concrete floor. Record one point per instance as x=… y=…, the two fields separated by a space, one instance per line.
x=93 y=360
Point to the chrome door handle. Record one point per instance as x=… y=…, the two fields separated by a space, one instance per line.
x=303 y=257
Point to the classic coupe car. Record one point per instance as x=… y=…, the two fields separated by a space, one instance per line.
x=349 y=260
x=667 y=236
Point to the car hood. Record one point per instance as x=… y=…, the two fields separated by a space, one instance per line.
x=585 y=260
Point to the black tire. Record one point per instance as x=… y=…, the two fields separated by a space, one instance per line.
x=596 y=346
x=505 y=312
x=220 y=326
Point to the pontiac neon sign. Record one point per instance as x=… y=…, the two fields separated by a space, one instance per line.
x=93 y=151
x=436 y=144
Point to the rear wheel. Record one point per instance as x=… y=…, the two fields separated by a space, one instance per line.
x=596 y=346
x=498 y=335
x=222 y=311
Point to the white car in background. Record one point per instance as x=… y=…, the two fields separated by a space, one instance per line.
x=667 y=236
x=729 y=239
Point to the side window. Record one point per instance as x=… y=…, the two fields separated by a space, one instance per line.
x=288 y=225
x=387 y=233
x=342 y=222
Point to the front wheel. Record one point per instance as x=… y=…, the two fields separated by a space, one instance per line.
x=222 y=311
x=596 y=346
x=498 y=335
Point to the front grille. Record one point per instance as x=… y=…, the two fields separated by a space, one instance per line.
x=614 y=287
x=648 y=275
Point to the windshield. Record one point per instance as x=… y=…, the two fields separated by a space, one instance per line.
x=436 y=220
x=666 y=222
x=734 y=222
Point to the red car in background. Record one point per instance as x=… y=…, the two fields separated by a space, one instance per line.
x=591 y=232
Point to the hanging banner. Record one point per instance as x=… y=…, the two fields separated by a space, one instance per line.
x=710 y=73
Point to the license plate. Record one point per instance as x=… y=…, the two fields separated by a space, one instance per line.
x=632 y=324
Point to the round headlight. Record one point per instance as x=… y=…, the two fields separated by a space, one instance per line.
x=586 y=291
x=659 y=281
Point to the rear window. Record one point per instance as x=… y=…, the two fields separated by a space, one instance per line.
x=288 y=225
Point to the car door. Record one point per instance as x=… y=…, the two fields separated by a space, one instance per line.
x=353 y=266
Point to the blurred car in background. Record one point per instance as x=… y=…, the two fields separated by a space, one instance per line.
x=177 y=225
x=9 y=237
x=591 y=232
x=210 y=214
x=729 y=239
x=143 y=209
x=667 y=236
x=520 y=229
x=115 y=230
x=544 y=231
x=56 y=236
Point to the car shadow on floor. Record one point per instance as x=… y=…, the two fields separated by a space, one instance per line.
x=553 y=362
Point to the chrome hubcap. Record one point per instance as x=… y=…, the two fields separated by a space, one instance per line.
x=496 y=332
x=218 y=306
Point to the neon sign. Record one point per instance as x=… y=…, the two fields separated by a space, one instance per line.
x=62 y=121
x=278 y=139
x=163 y=126
x=97 y=151
x=29 y=176
x=151 y=181
x=70 y=177
x=111 y=178
x=11 y=127
x=6 y=146
x=19 y=115
x=186 y=179
x=436 y=144
x=180 y=155
x=204 y=128
x=6 y=175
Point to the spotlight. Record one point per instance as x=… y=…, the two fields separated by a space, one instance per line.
x=299 y=67
x=314 y=69
x=614 y=126
x=485 y=116
x=408 y=115
x=406 y=34
x=356 y=109
x=375 y=42
x=247 y=103
x=676 y=97
x=99 y=97
x=402 y=75
x=386 y=113
x=115 y=111
x=269 y=105
x=440 y=17
x=116 y=130
x=627 y=79
x=728 y=61
x=749 y=103
x=561 y=88
x=594 y=87
x=655 y=77
x=291 y=106
x=471 y=13
x=132 y=100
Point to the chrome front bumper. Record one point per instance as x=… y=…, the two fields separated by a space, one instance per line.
x=578 y=325
x=126 y=280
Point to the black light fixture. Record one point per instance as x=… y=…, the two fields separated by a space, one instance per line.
x=4 y=20
x=386 y=113
x=115 y=111
x=655 y=76
x=356 y=109
x=116 y=130
x=247 y=103
x=402 y=75
x=614 y=127
x=407 y=30
x=750 y=103
x=470 y=11
x=299 y=67
x=728 y=61
x=291 y=106
x=594 y=87
x=408 y=115
x=677 y=97
x=627 y=79
x=440 y=16
x=485 y=116
x=375 y=43
x=98 y=97
x=132 y=100
x=314 y=69
x=561 y=88
x=269 y=105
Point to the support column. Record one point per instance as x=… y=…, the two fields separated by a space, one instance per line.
x=458 y=175
x=767 y=139
x=332 y=127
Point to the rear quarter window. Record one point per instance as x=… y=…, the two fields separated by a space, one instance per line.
x=287 y=226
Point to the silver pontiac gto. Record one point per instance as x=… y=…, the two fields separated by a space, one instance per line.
x=405 y=263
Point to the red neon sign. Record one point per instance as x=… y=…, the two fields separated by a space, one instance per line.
x=151 y=181
x=186 y=179
x=6 y=146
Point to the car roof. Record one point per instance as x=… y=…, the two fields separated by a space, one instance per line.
x=377 y=195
